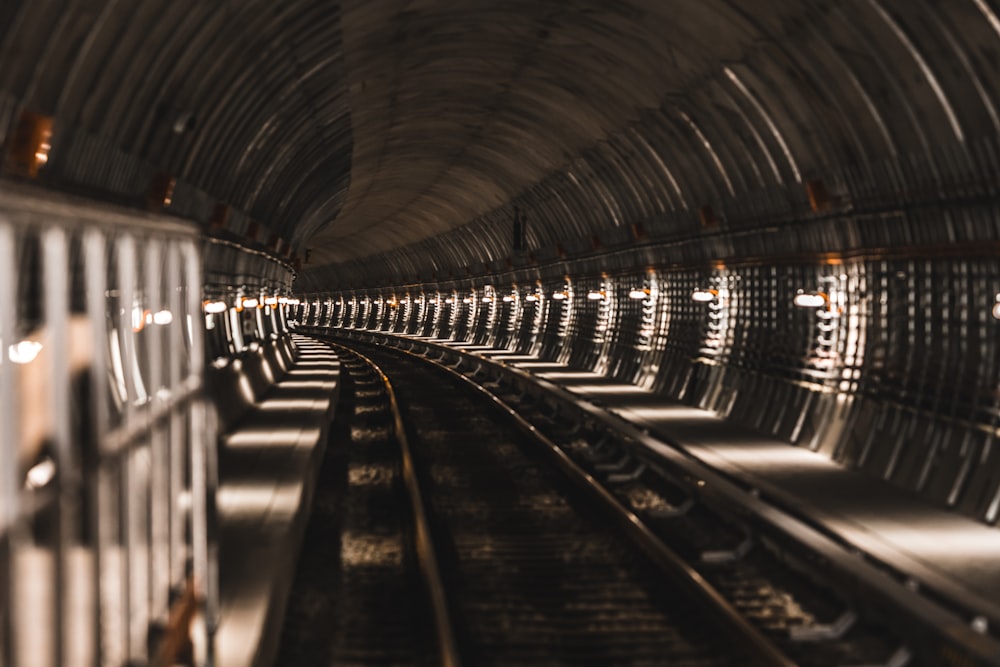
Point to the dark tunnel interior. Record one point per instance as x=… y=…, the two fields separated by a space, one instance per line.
x=781 y=213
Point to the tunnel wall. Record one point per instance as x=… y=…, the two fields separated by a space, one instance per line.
x=853 y=153
x=895 y=374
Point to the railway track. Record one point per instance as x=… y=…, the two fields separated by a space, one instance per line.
x=550 y=544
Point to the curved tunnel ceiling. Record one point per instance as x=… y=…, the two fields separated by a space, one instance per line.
x=410 y=130
x=458 y=107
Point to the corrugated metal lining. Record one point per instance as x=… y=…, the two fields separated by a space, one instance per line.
x=896 y=376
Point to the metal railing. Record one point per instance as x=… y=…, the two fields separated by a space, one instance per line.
x=106 y=463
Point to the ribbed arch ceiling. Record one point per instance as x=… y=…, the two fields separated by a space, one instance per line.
x=241 y=102
x=457 y=107
x=390 y=140
x=671 y=120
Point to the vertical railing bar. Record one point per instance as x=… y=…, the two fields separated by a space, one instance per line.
x=56 y=309
x=178 y=419
x=135 y=643
x=159 y=563
x=104 y=507
x=9 y=440
x=202 y=456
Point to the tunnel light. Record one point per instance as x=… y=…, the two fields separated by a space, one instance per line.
x=250 y=303
x=704 y=295
x=559 y=296
x=487 y=299
x=40 y=474
x=811 y=299
x=282 y=300
x=163 y=317
x=595 y=295
x=507 y=298
x=140 y=318
x=531 y=297
x=294 y=302
x=42 y=154
x=639 y=294
x=24 y=352
x=467 y=299
x=449 y=300
x=271 y=301
x=213 y=307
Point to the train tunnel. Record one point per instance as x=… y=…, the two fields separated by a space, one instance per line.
x=735 y=262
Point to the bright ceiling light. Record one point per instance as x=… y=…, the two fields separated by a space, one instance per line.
x=638 y=294
x=250 y=303
x=595 y=295
x=215 y=306
x=559 y=296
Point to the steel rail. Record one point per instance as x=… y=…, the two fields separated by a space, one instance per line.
x=761 y=651
x=866 y=565
x=423 y=539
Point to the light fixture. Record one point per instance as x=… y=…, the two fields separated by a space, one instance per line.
x=704 y=295
x=595 y=295
x=250 y=303
x=487 y=299
x=507 y=298
x=271 y=301
x=811 y=299
x=449 y=300
x=294 y=302
x=531 y=297
x=996 y=307
x=40 y=474
x=467 y=299
x=139 y=319
x=638 y=294
x=24 y=352
x=559 y=296
x=163 y=317
x=214 y=306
